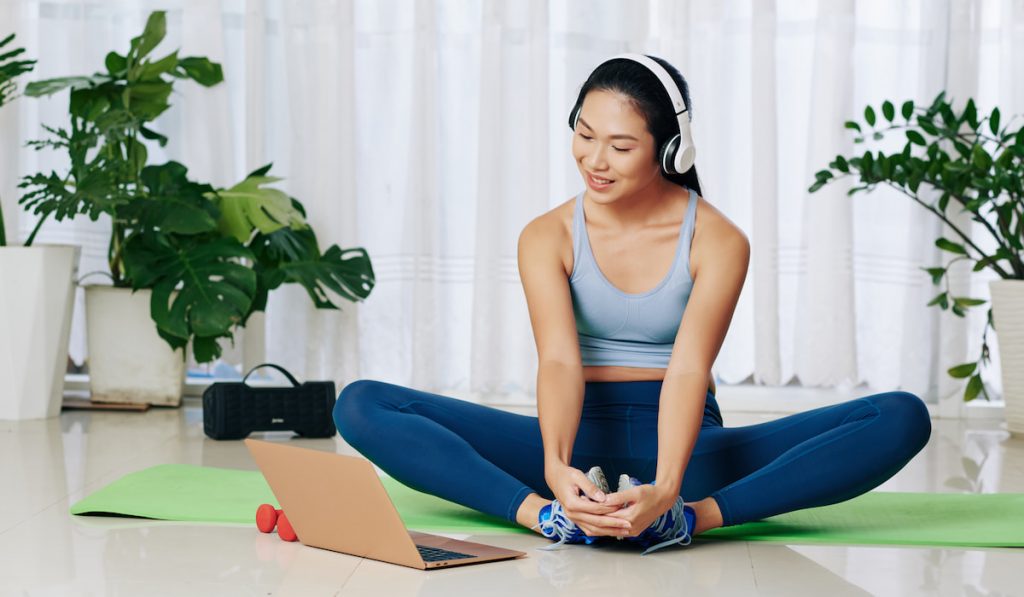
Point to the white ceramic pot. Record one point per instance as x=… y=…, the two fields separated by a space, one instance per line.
x=37 y=292
x=128 y=361
x=1008 y=318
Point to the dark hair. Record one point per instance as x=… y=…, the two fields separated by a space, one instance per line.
x=650 y=99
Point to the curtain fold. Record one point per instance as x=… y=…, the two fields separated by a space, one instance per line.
x=825 y=332
x=512 y=188
x=431 y=132
x=763 y=279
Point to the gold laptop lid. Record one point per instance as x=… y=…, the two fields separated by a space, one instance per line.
x=335 y=502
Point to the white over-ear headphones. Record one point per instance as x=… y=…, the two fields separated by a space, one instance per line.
x=678 y=153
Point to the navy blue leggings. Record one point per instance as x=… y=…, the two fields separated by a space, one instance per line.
x=490 y=460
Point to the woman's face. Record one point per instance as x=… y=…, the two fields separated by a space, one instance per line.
x=612 y=143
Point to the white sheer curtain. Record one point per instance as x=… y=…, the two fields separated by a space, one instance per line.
x=430 y=132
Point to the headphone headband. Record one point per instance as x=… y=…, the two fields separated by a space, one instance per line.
x=678 y=105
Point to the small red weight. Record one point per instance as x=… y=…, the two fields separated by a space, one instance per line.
x=284 y=529
x=266 y=518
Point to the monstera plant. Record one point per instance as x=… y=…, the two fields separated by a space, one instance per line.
x=210 y=256
x=222 y=251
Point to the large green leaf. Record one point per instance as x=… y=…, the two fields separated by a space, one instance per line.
x=249 y=206
x=173 y=205
x=293 y=256
x=200 y=70
x=152 y=35
x=214 y=292
x=51 y=86
x=152 y=70
x=147 y=100
x=346 y=272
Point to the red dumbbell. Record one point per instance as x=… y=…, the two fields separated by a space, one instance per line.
x=285 y=530
x=268 y=517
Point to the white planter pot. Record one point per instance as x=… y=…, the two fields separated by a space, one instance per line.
x=37 y=292
x=1008 y=317
x=128 y=361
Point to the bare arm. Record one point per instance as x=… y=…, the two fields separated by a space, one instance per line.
x=559 y=404
x=701 y=333
x=559 y=367
x=560 y=382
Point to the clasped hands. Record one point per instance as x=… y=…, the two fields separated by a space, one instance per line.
x=624 y=513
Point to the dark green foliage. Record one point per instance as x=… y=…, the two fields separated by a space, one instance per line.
x=288 y=255
x=213 y=290
x=10 y=68
x=177 y=244
x=210 y=256
x=109 y=113
x=951 y=160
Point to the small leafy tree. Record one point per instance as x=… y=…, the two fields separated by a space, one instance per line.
x=211 y=256
x=951 y=158
x=10 y=68
x=110 y=113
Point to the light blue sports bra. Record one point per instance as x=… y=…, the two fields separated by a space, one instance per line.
x=621 y=328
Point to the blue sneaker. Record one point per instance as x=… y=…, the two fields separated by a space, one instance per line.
x=553 y=522
x=671 y=528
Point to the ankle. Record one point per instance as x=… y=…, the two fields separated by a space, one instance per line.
x=709 y=516
x=529 y=511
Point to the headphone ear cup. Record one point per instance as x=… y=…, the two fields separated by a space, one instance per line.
x=686 y=152
x=668 y=155
x=574 y=116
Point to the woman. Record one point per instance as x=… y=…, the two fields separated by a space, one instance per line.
x=631 y=286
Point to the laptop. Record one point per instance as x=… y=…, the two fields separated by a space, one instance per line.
x=337 y=502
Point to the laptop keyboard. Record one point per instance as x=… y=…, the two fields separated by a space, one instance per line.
x=434 y=554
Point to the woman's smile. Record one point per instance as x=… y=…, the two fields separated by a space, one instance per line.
x=597 y=183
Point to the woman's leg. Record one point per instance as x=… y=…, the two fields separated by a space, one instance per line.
x=483 y=458
x=814 y=458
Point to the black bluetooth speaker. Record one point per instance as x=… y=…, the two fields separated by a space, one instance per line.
x=233 y=410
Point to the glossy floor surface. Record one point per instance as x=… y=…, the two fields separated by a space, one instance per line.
x=47 y=465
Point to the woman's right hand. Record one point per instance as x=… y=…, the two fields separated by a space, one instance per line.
x=587 y=510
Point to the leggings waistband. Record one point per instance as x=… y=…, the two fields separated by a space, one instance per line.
x=612 y=395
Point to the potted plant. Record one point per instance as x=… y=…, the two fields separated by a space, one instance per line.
x=110 y=117
x=958 y=159
x=194 y=260
x=222 y=251
x=37 y=293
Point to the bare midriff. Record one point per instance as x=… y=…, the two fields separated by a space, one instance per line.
x=617 y=373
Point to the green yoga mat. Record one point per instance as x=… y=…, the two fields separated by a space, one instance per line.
x=202 y=494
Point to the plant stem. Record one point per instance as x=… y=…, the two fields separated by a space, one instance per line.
x=32 y=237
x=943 y=217
x=114 y=253
x=3 y=234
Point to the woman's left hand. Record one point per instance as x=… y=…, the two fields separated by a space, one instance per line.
x=641 y=505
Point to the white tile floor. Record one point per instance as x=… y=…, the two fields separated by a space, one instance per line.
x=47 y=465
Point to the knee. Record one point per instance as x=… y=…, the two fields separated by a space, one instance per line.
x=355 y=402
x=910 y=417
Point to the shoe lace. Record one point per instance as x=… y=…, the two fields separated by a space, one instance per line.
x=678 y=531
x=558 y=525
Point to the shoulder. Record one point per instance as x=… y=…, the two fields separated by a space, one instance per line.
x=549 y=234
x=716 y=238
